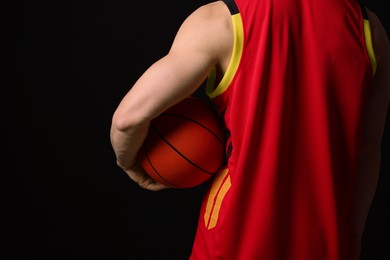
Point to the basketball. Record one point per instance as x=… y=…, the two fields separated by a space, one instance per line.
x=185 y=144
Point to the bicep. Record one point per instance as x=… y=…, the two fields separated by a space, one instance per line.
x=198 y=46
x=169 y=80
x=173 y=77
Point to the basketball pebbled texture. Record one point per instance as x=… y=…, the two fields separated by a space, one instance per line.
x=185 y=144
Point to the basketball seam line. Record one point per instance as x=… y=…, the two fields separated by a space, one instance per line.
x=151 y=164
x=191 y=162
x=196 y=122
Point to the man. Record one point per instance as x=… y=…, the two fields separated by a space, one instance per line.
x=303 y=87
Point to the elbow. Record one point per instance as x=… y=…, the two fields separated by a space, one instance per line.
x=122 y=121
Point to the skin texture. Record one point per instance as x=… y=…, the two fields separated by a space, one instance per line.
x=205 y=40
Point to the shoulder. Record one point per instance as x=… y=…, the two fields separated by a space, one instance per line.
x=382 y=53
x=214 y=12
x=208 y=29
x=379 y=37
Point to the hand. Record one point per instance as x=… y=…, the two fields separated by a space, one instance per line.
x=138 y=175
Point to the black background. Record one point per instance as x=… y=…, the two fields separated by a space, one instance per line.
x=62 y=195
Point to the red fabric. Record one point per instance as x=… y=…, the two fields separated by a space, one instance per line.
x=294 y=111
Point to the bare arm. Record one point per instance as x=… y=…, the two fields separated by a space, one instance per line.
x=203 y=41
x=375 y=118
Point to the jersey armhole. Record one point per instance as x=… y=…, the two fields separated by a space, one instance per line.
x=368 y=39
x=214 y=88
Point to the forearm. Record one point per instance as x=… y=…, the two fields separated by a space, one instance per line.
x=126 y=141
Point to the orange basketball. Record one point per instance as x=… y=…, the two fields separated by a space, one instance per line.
x=185 y=144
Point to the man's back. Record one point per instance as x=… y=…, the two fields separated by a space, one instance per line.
x=304 y=103
x=294 y=99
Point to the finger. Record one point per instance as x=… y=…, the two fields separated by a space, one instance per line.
x=144 y=180
x=155 y=186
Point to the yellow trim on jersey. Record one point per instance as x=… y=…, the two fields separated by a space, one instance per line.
x=213 y=91
x=369 y=45
x=220 y=187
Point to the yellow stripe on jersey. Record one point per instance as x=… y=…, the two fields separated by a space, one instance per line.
x=213 y=91
x=369 y=45
x=220 y=187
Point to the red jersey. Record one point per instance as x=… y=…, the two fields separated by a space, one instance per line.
x=293 y=99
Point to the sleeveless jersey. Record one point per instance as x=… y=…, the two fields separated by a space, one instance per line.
x=292 y=98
